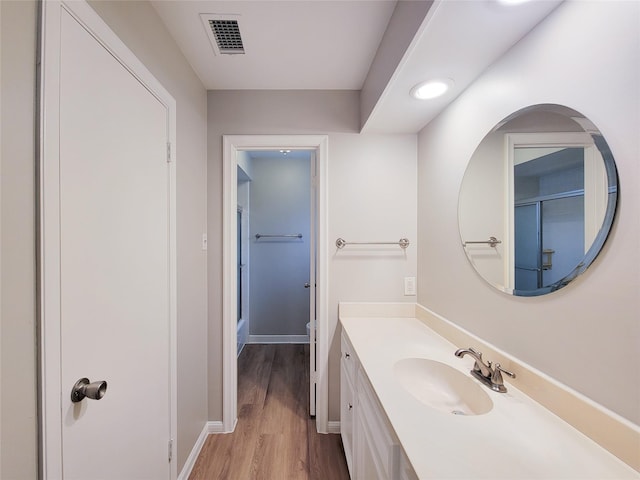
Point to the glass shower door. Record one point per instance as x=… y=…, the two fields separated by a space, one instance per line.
x=527 y=246
x=562 y=237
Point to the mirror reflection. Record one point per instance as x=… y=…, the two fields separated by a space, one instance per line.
x=537 y=200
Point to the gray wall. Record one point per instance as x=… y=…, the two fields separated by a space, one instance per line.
x=137 y=24
x=142 y=30
x=18 y=431
x=587 y=334
x=372 y=195
x=280 y=204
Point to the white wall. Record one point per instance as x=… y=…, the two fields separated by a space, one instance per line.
x=18 y=421
x=481 y=212
x=138 y=26
x=586 y=55
x=372 y=196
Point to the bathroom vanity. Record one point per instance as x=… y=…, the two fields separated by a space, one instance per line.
x=410 y=409
x=371 y=447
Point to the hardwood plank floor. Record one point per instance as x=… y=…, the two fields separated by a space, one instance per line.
x=275 y=438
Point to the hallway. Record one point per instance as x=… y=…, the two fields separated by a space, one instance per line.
x=275 y=438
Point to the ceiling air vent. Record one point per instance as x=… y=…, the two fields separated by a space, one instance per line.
x=224 y=34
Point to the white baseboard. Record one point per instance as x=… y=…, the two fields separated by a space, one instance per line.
x=215 y=427
x=333 y=426
x=193 y=456
x=209 y=429
x=278 y=339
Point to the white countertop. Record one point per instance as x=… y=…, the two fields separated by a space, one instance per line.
x=517 y=439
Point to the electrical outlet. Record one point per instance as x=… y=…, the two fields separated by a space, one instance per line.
x=204 y=241
x=409 y=286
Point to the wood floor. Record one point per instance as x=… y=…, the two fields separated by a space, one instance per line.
x=275 y=438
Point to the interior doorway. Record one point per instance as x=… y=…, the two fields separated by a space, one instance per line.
x=275 y=245
x=316 y=289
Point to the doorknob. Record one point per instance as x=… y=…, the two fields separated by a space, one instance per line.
x=83 y=388
x=307 y=285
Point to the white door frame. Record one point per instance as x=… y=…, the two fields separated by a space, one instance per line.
x=51 y=455
x=231 y=145
x=313 y=258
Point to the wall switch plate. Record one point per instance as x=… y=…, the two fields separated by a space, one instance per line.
x=409 y=286
x=204 y=241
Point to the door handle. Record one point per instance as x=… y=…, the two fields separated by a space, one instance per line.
x=83 y=388
x=307 y=285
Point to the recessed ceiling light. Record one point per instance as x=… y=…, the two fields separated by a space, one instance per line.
x=431 y=88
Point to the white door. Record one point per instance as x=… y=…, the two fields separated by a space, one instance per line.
x=114 y=259
x=313 y=357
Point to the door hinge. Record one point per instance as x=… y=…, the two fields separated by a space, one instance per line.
x=168 y=152
x=170 y=449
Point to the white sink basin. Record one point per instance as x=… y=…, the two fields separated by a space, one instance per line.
x=442 y=387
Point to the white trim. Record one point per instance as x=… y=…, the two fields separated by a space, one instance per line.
x=215 y=427
x=333 y=426
x=193 y=455
x=210 y=428
x=0 y=239
x=313 y=257
x=49 y=283
x=278 y=339
x=596 y=194
x=231 y=145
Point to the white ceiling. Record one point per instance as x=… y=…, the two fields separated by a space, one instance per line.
x=458 y=39
x=289 y=45
x=331 y=44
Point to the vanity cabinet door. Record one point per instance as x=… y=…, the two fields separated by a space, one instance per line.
x=348 y=368
x=377 y=448
x=372 y=450
x=368 y=464
x=406 y=470
x=347 y=413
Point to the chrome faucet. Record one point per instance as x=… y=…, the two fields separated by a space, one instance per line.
x=489 y=375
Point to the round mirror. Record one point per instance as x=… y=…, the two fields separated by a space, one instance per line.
x=537 y=200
